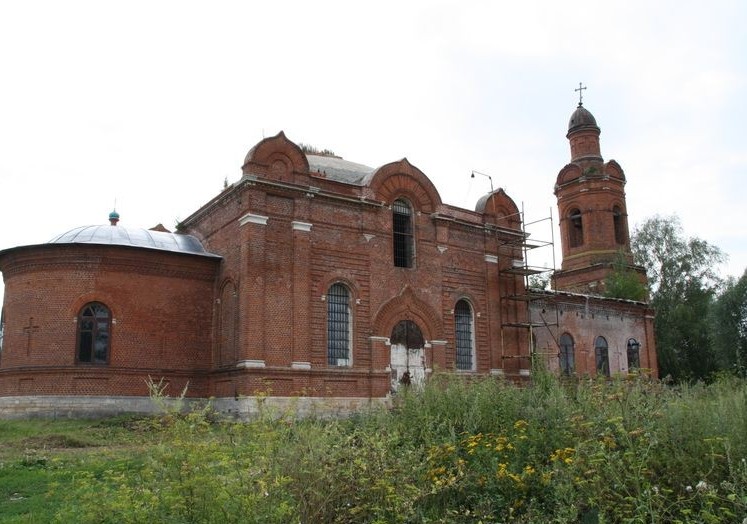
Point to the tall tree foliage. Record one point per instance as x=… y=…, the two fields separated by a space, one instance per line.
x=729 y=324
x=623 y=281
x=683 y=281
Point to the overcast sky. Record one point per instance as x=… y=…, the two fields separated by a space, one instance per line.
x=154 y=104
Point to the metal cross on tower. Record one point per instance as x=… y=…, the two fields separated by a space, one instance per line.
x=580 y=90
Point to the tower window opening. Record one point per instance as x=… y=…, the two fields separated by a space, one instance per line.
x=576 y=228
x=619 y=223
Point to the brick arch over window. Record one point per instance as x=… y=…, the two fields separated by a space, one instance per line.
x=343 y=277
x=407 y=306
x=276 y=157
x=613 y=169
x=568 y=173
x=498 y=208
x=402 y=179
x=98 y=296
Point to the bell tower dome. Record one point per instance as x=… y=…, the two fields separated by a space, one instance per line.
x=592 y=210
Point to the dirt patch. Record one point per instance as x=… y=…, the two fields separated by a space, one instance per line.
x=55 y=441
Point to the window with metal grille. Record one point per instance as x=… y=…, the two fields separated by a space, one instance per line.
x=567 y=357
x=338 y=325
x=634 y=354
x=402 y=234
x=94 y=326
x=602 y=356
x=463 y=328
x=575 y=228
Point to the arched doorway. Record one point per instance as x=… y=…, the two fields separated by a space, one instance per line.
x=407 y=359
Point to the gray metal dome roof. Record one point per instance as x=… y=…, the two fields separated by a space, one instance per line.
x=581 y=118
x=132 y=237
x=339 y=169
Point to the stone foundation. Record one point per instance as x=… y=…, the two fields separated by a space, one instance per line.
x=55 y=407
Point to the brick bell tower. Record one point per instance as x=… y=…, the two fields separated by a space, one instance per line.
x=592 y=210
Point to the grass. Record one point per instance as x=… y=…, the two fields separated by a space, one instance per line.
x=629 y=450
x=38 y=456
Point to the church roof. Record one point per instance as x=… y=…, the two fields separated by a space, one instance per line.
x=132 y=237
x=581 y=118
x=338 y=169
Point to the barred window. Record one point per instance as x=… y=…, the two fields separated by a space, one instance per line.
x=602 y=356
x=567 y=357
x=464 y=329
x=338 y=325
x=402 y=234
x=575 y=228
x=94 y=327
x=634 y=354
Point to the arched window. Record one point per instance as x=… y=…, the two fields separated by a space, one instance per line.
x=575 y=228
x=619 y=222
x=338 y=325
x=567 y=356
x=634 y=354
x=464 y=334
x=94 y=328
x=602 y=356
x=402 y=234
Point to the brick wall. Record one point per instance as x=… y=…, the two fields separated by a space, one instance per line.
x=255 y=321
x=162 y=314
x=585 y=318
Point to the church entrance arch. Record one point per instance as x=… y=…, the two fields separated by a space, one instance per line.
x=407 y=360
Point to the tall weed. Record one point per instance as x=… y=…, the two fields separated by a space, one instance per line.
x=459 y=450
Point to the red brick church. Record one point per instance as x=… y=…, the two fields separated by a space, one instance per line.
x=318 y=281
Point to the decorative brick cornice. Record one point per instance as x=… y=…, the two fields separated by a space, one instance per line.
x=93 y=257
x=250 y=218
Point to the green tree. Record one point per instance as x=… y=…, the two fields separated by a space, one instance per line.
x=683 y=282
x=541 y=281
x=729 y=321
x=624 y=281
